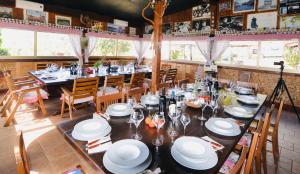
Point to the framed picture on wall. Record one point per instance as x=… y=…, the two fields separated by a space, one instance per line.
x=267 y=4
x=63 y=20
x=201 y=11
x=115 y=28
x=240 y=6
x=182 y=27
x=283 y=10
x=231 y=23
x=167 y=28
x=265 y=20
x=201 y=25
x=148 y=29
x=293 y=9
x=290 y=22
x=224 y=6
x=37 y=16
x=6 y=12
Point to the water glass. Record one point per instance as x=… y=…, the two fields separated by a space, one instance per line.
x=136 y=119
x=159 y=121
x=185 y=120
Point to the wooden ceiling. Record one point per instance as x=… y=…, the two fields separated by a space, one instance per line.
x=129 y=10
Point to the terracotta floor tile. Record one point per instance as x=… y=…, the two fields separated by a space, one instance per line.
x=66 y=162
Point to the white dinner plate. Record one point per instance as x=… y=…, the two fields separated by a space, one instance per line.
x=196 y=164
x=128 y=153
x=119 y=110
x=192 y=147
x=238 y=112
x=114 y=168
x=87 y=137
x=91 y=126
x=245 y=91
x=223 y=127
x=150 y=100
x=251 y=100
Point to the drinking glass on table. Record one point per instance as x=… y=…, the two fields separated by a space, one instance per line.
x=159 y=121
x=136 y=119
x=173 y=114
x=185 y=120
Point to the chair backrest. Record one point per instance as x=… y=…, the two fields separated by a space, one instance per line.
x=22 y=159
x=262 y=142
x=41 y=66
x=85 y=87
x=114 y=81
x=253 y=86
x=165 y=66
x=245 y=76
x=136 y=93
x=171 y=75
x=251 y=154
x=224 y=82
x=239 y=164
x=66 y=64
x=9 y=82
x=162 y=74
x=137 y=80
x=278 y=117
x=104 y=101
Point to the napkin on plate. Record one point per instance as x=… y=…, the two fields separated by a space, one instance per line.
x=100 y=148
x=98 y=114
x=100 y=145
x=215 y=145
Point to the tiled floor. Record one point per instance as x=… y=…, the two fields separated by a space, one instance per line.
x=50 y=153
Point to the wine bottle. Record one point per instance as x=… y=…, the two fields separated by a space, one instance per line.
x=172 y=99
x=163 y=101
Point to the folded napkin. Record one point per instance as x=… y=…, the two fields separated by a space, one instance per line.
x=98 y=114
x=100 y=145
x=100 y=148
x=215 y=145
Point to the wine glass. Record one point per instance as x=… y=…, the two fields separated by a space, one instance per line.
x=185 y=120
x=174 y=113
x=136 y=119
x=158 y=120
x=202 y=118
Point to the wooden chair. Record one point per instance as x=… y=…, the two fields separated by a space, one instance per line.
x=136 y=86
x=107 y=100
x=244 y=76
x=245 y=160
x=273 y=133
x=165 y=67
x=22 y=158
x=3 y=103
x=22 y=93
x=84 y=90
x=41 y=66
x=253 y=86
x=112 y=85
x=171 y=77
x=66 y=64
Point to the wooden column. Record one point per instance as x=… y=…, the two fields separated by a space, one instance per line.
x=156 y=41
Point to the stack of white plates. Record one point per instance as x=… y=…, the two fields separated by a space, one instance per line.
x=244 y=91
x=238 y=112
x=250 y=100
x=127 y=157
x=119 y=110
x=150 y=100
x=91 y=129
x=223 y=127
x=194 y=153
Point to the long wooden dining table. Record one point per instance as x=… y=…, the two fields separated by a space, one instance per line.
x=162 y=157
x=65 y=79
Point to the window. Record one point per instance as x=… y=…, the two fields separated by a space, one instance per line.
x=241 y=53
x=181 y=50
x=274 y=51
x=105 y=47
x=197 y=55
x=125 y=48
x=16 y=42
x=165 y=50
x=53 y=44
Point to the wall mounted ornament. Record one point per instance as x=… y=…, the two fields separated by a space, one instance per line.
x=201 y=12
x=240 y=6
x=259 y=21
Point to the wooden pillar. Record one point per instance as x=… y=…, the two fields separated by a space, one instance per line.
x=156 y=41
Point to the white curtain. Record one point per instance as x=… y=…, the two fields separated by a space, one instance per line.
x=141 y=48
x=92 y=41
x=212 y=49
x=75 y=42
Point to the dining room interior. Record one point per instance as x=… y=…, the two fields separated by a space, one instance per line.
x=150 y=86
